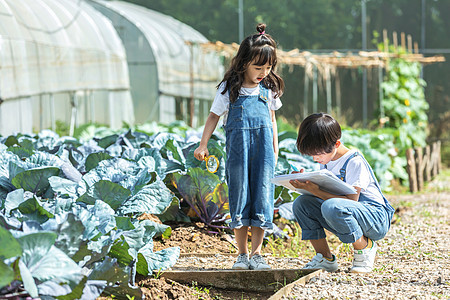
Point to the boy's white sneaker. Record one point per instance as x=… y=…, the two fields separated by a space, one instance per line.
x=242 y=262
x=257 y=262
x=363 y=259
x=320 y=262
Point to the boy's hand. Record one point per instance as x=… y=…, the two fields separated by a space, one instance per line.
x=295 y=171
x=307 y=185
x=201 y=153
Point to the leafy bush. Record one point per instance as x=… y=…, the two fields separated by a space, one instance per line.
x=404 y=104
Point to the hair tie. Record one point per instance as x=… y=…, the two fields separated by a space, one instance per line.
x=262 y=33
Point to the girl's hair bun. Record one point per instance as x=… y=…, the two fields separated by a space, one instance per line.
x=261 y=27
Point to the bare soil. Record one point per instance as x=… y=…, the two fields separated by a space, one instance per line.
x=196 y=238
x=166 y=289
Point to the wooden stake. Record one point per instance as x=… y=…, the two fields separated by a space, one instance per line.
x=416 y=47
x=337 y=83
x=395 y=40
x=428 y=166
x=385 y=41
x=411 y=168
x=439 y=156
x=436 y=158
x=402 y=40
x=433 y=160
x=409 y=43
x=419 y=168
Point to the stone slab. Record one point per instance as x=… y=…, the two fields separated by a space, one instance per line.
x=244 y=280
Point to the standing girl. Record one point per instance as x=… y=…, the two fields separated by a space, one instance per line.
x=247 y=97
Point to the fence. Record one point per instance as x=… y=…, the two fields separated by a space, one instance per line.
x=423 y=164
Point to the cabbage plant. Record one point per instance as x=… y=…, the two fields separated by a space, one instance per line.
x=68 y=225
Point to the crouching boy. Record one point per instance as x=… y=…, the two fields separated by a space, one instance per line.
x=359 y=219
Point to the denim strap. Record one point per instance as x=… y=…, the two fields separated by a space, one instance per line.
x=343 y=170
x=263 y=92
x=388 y=206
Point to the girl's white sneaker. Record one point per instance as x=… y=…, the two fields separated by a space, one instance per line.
x=257 y=262
x=242 y=262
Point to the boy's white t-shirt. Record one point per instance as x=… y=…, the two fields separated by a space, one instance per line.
x=357 y=174
x=222 y=101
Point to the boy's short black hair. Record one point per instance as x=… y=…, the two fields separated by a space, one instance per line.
x=318 y=134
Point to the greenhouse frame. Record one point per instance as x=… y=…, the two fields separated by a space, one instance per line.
x=74 y=62
x=164 y=52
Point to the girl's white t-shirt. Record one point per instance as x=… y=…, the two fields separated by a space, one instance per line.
x=222 y=101
x=357 y=174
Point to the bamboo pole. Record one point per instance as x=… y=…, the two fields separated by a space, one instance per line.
x=328 y=87
x=315 y=89
x=366 y=59
x=191 y=86
x=305 y=95
x=337 y=83
x=380 y=93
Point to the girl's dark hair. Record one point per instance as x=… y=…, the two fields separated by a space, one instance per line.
x=318 y=134
x=263 y=48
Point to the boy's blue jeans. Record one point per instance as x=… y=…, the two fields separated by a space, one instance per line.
x=347 y=219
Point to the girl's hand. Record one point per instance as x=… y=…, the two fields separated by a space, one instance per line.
x=201 y=153
x=307 y=185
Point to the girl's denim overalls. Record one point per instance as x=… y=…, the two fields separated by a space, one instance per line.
x=250 y=161
x=347 y=219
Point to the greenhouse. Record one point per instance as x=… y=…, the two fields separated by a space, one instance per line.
x=71 y=62
x=60 y=61
x=171 y=77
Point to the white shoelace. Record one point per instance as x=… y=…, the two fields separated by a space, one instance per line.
x=242 y=258
x=258 y=259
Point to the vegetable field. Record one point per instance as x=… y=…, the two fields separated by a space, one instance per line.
x=69 y=207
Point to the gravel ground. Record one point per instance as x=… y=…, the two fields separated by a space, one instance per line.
x=412 y=260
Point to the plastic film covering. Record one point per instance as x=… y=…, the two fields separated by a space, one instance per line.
x=49 y=48
x=184 y=69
